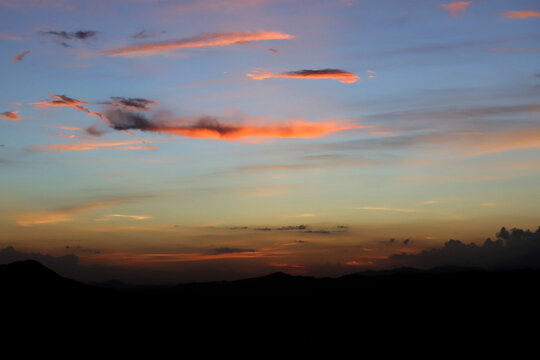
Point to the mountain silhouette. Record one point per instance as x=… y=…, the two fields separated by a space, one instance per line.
x=276 y=309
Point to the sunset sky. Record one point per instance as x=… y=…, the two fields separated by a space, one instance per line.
x=220 y=139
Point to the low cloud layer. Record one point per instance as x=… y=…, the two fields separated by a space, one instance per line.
x=334 y=74
x=511 y=249
x=203 y=40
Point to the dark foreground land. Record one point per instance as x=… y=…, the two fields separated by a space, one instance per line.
x=401 y=307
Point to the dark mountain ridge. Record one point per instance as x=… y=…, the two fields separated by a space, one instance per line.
x=275 y=309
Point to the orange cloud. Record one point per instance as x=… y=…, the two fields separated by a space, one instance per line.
x=19 y=57
x=204 y=40
x=122 y=216
x=66 y=135
x=359 y=263
x=118 y=145
x=525 y=14
x=335 y=74
x=297 y=128
x=456 y=7
x=65 y=101
x=64 y=128
x=59 y=215
x=10 y=115
x=134 y=259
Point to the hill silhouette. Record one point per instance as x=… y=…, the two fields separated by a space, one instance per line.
x=280 y=308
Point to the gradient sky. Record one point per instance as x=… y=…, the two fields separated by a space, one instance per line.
x=229 y=138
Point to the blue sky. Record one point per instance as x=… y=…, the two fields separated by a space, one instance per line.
x=372 y=120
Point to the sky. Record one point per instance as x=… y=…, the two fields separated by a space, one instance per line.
x=223 y=139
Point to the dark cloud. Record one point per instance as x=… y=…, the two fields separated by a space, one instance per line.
x=132 y=103
x=311 y=73
x=537 y=76
x=263 y=229
x=273 y=51
x=299 y=227
x=76 y=35
x=95 y=130
x=145 y=34
x=227 y=250
x=511 y=249
x=124 y=120
x=321 y=232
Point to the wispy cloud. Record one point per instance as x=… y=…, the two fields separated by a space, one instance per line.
x=203 y=40
x=145 y=34
x=524 y=14
x=456 y=8
x=19 y=57
x=200 y=6
x=114 y=145
x=10 y=115
x=507 y=49
x=75 y=35
x=110 y=217
x=26 y=4
x=4 y=36
x=334 y=74
x=63 y=127
x=60 y=215
x=382 y=208
x=65 y=101
x=295 y=216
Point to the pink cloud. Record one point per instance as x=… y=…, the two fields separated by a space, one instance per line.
x=525 y=14
x=456 y=8
x=203 y=40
